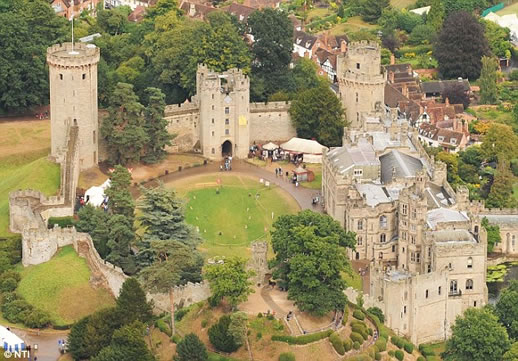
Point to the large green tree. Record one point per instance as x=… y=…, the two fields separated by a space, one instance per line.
x=469 y=6
x=310 y=254
x=371 y=9
x=94 y=221
x=155 y=126
x=507 y=309
x=512 y=354
x=435 y=16
x=476 y=336
x=162 y=216
x=498 y=39
x=27 y=28
x=123 y=127
x=501 y=193
x=488 y=79
x=190 y=348
x=229 y=280
x=493 y=234
x=119 y=195
x=132 y=302
x=318 y=113
x=121 y=235
x=460 y=46
x=500 y=141
x=127 y=344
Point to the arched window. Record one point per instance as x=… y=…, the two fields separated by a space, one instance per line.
x=476 y=229
x=381 y=255
x=360 y=224
x=383 y=238
x=469 y=284
x=470 y=262
x=383 y=222
x=453 y=286
x=359 y=241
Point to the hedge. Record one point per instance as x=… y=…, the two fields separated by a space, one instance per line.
x=377 y=356
x=337 y=343
x=421 y=358
x=397 y=341
x=287 y=356
x=348 y=345
x=381 y=344
x=361 y=330
x=419 y=49
x=399 y=355
x=360 y=357
x=302 y=340
x=359 y=315
x=426 y=350
x=163 y=327
x=63 y=222
x=408 y=347
x=356 y=337
x=356 y=345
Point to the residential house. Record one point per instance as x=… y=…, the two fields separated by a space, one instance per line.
x=133 y=4
x=69 y=8
x=138 y=14
x=262 y=4
x=241 y=12
x=196 y=10
x=435 y=89
x=451 y=140
x=304 y=44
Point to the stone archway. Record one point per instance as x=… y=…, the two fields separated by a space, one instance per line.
x=226 y=148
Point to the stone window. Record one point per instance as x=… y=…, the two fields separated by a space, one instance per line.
x=412 y=239
x=469 y=284
x=404 y=310
x=403 y=235
x=418 y=257
x=60 y=76
x=394 y=248
x=359 y=241
x=404 y=209
x=227 y=110
x=356 y=97
x=213 y=107
x=426 y=294
x=453 y=287
x=227 y=121
x=381 y=255
x=383 y=238
x=412 y=256
x=429 y=268
x=360 y=224
x=212 y=96
x=358 y=172
x=227 y=131
x=470 y=262
x=213 y=151
x=474 y=303
x=357 y=65
x=383 y=222
x=84 y=76
x=93 y=136
x=212 y=133
x=414 y=213
x=439 y=290
x=212 y=120
x=357 y=116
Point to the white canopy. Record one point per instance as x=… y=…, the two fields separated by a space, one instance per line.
x=305 y=146
x=95 y=195
x=10 y=341
x=270 y=146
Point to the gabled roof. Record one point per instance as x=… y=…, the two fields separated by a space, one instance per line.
x=304 y=39
x=200 y=10
x=398 y=165
x=443 y=136
x=323 y=55
x=393 y=96
x=242 y=12
x=439 y=86
x=344 y=158
x=260 y=4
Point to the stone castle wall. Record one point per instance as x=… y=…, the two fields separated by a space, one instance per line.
x=183 y=122
x=270 y=122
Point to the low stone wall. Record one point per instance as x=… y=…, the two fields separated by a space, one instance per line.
x=183 y=296
x=495 y=260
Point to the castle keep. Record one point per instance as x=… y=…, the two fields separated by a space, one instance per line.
x=220 y=120
x=73 y=99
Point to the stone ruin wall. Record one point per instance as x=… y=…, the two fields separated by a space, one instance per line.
x=183 y=121
x=270 y=122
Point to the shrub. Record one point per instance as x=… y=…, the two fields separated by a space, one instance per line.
x=513 y=75
x=421 y=358
x=11 y=274
x=176 y=338
x=8 y=285
x=36 y=319
x=397 y=341
x=63 y=222
x=178 y=315
x=369 y=331
x=259 y=335
x=361 y=330
x=302 y=340
x=391 y=353
x=377 y=356
x=399 y=355
x=219 y=336
x=359 y=315
x=426 y=350
x=356 y=345
x=337 y=343
x=348 y=345
x=408 y=347
x=260 y=315
x=204 y=323
x=163 y=327
x=214 y=301
x=287 y=356
x=356 y=337
x=381 y=344
x=16 y=311
x=384 y=333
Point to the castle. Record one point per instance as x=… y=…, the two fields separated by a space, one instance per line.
x=220 y=120
x=421 y=241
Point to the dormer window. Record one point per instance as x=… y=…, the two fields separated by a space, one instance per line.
x=441 y=138
x=298 y=41
x=358 y=172
x=453 y=141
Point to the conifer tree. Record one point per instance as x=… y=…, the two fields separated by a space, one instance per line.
x=488 y=79
x=120 y=199
x=501 y=194
x=120 y=237
x=191 y=349
x=155 y=126
x=132 y=302
x=435 y=16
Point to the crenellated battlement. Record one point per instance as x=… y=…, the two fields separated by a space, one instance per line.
x=363 y=47
x=181 y=109
x=269 y=107
x=62 y=55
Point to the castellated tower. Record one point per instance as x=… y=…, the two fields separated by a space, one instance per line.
x=224 y=127
x=73 y=99
x=361 y=81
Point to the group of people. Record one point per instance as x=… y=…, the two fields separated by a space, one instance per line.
x=84 y=200
x=41 y=116
x=227 y=165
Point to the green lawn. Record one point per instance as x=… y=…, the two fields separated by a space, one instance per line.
x=353 y=279
x=61 y=287
x=402 y=4
x=27 y=170
x=321 y=12
x=353 y=24
x=236 y=212
x=317 y=182
x=515 y=190
x=511 y=9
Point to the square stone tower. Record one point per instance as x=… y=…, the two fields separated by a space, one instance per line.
x=361 y=81
x=224 y=98
x=73 y=99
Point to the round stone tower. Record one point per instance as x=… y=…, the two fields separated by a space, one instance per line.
x=73 y=99
x=361 y=81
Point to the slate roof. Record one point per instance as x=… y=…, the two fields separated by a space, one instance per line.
x=502 y=219
x=444 y=215
x=304 y=39
x=242 y=12
x=323 y=55
x=439 y=86
x=399 y=165
x=443 y=136
x=444 y=237
x=393 y=96
x=201 y=10
x=344 y=158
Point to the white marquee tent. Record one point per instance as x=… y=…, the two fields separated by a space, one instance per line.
x=95 y=195
x=311 y=149
x=270 y=146
x=10 y=341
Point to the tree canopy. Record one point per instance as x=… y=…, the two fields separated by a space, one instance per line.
x=460 y=46
x=476 y=336
x=507 y=309
x=500 y=141
x=488 y=79
x=310 y=253
x=318 y=113
x=190 y=348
